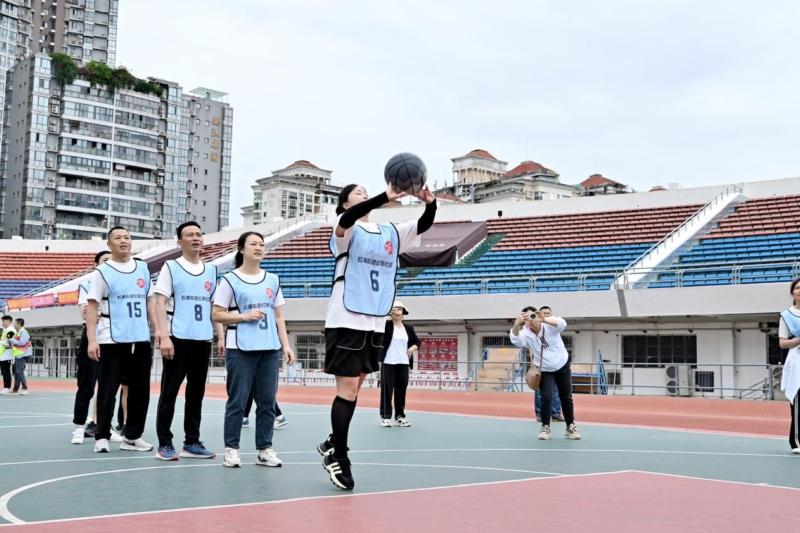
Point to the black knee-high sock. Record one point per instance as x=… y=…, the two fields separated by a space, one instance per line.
x=341 y=414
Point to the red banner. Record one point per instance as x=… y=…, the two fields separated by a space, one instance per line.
x=45 y=300
x=68 y=298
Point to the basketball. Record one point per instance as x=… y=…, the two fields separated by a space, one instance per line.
x=406 y=173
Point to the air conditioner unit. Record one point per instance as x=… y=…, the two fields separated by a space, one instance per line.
x=158 y=217
x=157 y=234
x=160 y=182
x=160 y=166
x=678 y=380
x=49 y=203
x=55 y=109
x=50 y=164
x=52 y=128
x=51 y=183
x=161 y=146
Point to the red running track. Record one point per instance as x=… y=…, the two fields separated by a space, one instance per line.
x=707 y=414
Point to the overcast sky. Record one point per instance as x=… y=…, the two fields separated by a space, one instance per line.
x=645 y=92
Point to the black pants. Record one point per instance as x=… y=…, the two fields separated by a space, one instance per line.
x=794 y=428
x=394 y=382
x=5 y=367
x=134 y=361
x=190 y=362
x=562 y=380
x=249 y=405
x=87 y=379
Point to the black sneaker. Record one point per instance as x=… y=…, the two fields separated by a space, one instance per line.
x=325 y=448
x=90 y=430
x=339 y=471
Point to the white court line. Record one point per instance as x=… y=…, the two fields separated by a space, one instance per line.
x=38 y=426
x=428 y=450
x=45 y=415
x=727 y=481
x=5 y=513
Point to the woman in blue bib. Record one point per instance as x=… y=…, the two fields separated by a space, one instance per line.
x=789 y=339
x=249 y=301
x=363 y=291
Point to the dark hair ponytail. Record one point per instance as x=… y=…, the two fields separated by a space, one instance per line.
x=238 y=259
x=791 y=290
x=343 y=194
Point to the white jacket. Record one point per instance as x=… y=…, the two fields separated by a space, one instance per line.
x=554 y=356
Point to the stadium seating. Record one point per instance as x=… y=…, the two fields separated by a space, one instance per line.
x=531 y=254
x=21 y=273
x=758 y=243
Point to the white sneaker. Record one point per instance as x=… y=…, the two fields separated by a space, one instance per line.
x=268 y=457
x=386 y=423
x=402 y=422
x=572 y=432
x=115 y=437
x=23 y=392
x=5 y=391
x=796 y=451
x=138 y=445
x=544 y=433
x=77 y=436
x=101 y=446
x=280 y=421
x=232 y=458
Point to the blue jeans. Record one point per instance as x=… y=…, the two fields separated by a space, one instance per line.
x=537 y=402
x=245 y=369
x=19 y=373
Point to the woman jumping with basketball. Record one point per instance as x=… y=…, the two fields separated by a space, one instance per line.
x=363 y=291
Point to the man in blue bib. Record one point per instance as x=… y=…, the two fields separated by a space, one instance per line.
x=184 y=336
x=120 y=339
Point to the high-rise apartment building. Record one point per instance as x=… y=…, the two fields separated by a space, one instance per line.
x=208 y=127
x=81 y=159
x=86 y=30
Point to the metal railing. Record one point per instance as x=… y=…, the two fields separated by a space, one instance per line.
x=577 y=281
x=676 y=233
x=685 y=380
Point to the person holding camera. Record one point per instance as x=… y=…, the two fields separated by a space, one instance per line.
x=542 y=335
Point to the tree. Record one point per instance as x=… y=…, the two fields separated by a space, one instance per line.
x=121 y=78
x=99 y=74
x=63 y=68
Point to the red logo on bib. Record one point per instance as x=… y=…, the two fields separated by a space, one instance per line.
x=388 y=247
x=208 y=286
x=269 y=292
x=140 y=283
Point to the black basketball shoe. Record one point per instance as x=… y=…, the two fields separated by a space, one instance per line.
x=325 y=448
x=339 y=471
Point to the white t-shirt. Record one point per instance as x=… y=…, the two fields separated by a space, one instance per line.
x=99 y=291
x=164 y=284
x=790 y=380
x=223 y=297
x=554 y=355
x=338 y=316
x=397 y=354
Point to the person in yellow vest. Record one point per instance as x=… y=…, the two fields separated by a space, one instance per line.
x=22 y=348
x=6 y=355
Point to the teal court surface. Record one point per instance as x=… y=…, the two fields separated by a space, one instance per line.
x=446 y=473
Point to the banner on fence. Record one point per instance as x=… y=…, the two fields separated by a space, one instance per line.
x=68 y=298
